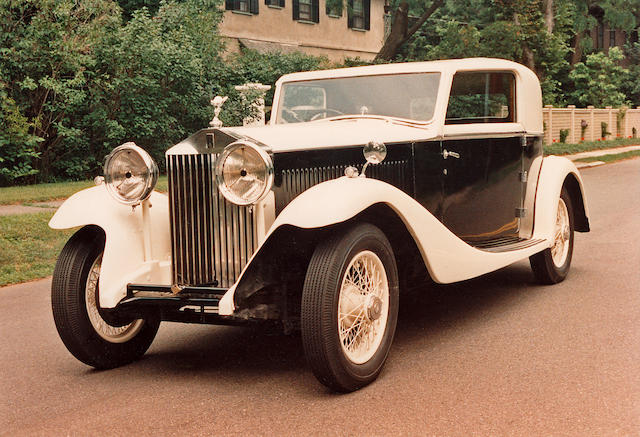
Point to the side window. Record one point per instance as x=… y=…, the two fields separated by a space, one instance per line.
x=481 y=98
x=306 y=10
x=359 y=14
x=278 y=3
x=246 y=6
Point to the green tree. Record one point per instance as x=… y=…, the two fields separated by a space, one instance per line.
x=598 y=80
x=47 y=50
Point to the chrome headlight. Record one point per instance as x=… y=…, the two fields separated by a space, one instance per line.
x=130 y=174
x=244 y=173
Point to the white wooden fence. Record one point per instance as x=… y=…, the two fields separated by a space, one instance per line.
x=620 y=125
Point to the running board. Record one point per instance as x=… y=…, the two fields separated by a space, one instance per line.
x=505 y=244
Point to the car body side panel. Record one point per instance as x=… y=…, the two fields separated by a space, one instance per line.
x=485 y=177
x=447 y=258
x=123 y=261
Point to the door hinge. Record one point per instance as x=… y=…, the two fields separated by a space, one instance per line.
x=521 y=212
x=523 y=141
x=523 y=176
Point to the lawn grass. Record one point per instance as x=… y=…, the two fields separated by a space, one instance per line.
x=53 y=191
x=586 y=146
x=28 y=247
x=611 y=158
x=40 y=192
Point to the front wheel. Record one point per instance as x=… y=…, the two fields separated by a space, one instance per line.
x=350 y=307
x=76 y=312
x=552 y=265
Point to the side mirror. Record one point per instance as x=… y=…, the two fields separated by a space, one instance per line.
x=374 y=152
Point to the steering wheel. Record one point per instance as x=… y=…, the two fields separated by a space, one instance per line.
x=291 y=114
x=324 y=111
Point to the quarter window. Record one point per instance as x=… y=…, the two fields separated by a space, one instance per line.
x=306 y=10
x=481 y=98
x=359 y=13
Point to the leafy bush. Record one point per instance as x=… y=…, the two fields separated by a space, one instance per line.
x=18 y=147
x=249 y=66
x=599 y=79
x=564 y=133
x=76 y=82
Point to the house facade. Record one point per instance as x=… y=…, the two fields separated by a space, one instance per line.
x=331 y=28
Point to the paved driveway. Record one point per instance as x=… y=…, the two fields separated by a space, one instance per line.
x=498 y=355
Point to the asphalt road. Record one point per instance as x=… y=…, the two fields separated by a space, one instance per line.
x=498 y=355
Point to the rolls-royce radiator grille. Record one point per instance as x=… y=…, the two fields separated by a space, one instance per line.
x=297 y=180
x=211 y=238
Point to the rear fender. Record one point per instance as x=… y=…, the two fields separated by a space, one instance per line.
x=124 y=260
x=557 y=172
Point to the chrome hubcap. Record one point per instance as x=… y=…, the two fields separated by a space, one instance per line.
x=112 y=334
x=561 y=243
x=363 y=307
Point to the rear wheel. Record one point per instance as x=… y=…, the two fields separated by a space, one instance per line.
x=350 y=307
x=552 y=265
x=75 y=295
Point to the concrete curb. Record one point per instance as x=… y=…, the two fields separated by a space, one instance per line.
x=581 y=165
x=612 y=151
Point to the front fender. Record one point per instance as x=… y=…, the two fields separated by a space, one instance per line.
x=123 y=261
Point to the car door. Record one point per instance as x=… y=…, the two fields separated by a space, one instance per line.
x=482 y=158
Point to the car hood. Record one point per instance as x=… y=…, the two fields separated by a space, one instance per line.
x=312 y=135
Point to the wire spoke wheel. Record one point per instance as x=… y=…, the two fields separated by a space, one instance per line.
x=363 y=307
x=113 y=334
x=560 y=247
x=552 y=265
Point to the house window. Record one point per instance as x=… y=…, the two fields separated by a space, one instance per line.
x=481 y=98
x=245 y=6
x=359 y=12
x=600 y=39
x=306 y=10
x=612 y=38
x=334 y=8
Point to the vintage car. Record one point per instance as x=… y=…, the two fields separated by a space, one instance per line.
x=366 y=181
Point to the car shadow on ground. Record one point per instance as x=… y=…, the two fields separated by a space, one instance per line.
x=242 y=352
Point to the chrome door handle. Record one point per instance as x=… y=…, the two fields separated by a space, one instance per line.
x=446 y=154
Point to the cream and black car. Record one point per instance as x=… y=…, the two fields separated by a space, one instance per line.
x=365 y=181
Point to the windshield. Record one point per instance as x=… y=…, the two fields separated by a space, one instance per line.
x=408 y=96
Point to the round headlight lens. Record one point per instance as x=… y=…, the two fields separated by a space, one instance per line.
x=130 y=174
x=244 y=173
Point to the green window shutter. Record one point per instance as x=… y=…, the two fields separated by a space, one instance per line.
x=367 y=14
x=315 y=11
x=296 y=9
x=253 y=6
x=350 y=14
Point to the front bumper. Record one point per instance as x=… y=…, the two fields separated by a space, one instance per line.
x=190 y=305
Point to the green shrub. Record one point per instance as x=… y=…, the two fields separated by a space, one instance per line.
x=564 y=133
x=603 y=130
